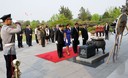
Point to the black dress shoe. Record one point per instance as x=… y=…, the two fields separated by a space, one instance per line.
x=63 y=57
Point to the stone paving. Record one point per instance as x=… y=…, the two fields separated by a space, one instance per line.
x=34 y=67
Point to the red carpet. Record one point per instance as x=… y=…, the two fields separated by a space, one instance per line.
x=53 y=56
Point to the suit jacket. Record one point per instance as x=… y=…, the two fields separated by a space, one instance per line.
x=106 y=29
x=59 y=37
x=28 y=32
x=19 y=35
x=84 y=33
x=75 y=33
x=52 y=31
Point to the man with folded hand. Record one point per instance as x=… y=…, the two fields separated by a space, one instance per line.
x=8 y=40
x=60 y=41
x=75 y=37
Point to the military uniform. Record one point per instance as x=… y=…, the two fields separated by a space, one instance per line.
x=8 y=40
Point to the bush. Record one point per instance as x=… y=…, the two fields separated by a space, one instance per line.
x=91 y=29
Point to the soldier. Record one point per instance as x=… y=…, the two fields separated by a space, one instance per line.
x=8 y=39
x=43 y=34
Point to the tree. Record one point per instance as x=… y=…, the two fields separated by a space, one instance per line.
x=95 y=17
x=59 y=19
x=88 y=15
x=43 y=22
x=84 y=14
x=66 y=12
x=106 y=15
x=34 y=23
x=114 y=12
x=25 y=23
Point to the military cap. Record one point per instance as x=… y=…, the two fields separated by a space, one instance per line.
x=5 y=17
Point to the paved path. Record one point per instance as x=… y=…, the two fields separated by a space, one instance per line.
x=34 y=67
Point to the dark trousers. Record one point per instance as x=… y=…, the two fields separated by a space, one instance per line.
x=60 y=50
x=9 y=68
x=97 y=34
x=103 y=33
x=43 y=41
x=52 y=38
x=84 y=41
x=75 y=46
x=29 y=40
x=1 y=45
x=36 y=38
x=106 y=35
x=100 y=33
x=20 y=43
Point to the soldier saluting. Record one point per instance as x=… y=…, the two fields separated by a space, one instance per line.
x=8 y=39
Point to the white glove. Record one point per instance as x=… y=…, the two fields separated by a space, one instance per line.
x=66 y=41
x=56 y=42
x=72 y=40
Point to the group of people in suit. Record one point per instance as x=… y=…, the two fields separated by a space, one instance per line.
x=64 y=37
x=44 y=34
x=28 y=34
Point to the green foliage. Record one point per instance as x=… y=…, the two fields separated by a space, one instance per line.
x=65 y=15
x=107 y=20
x=59 y=19
x=95 y=17
x=66 y=12
x=91 y=29
x=0 y=24
x=34 y=23
x=106 y=15
x=43 y=22
x=110 y=15
x=84 y=15
x=111 y=29
x=114 y=12
x=25 y=23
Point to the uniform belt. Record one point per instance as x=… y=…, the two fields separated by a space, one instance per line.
x=9 y=44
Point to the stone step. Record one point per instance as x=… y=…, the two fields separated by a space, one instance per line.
x=98 y=57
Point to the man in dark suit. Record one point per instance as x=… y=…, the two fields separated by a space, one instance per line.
x=84 y=33
x=75 y=37
x=106 y=29
x=60 y=41
x=19 y=38
x=52 y=34
x=1 y=45
x=28 y=33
